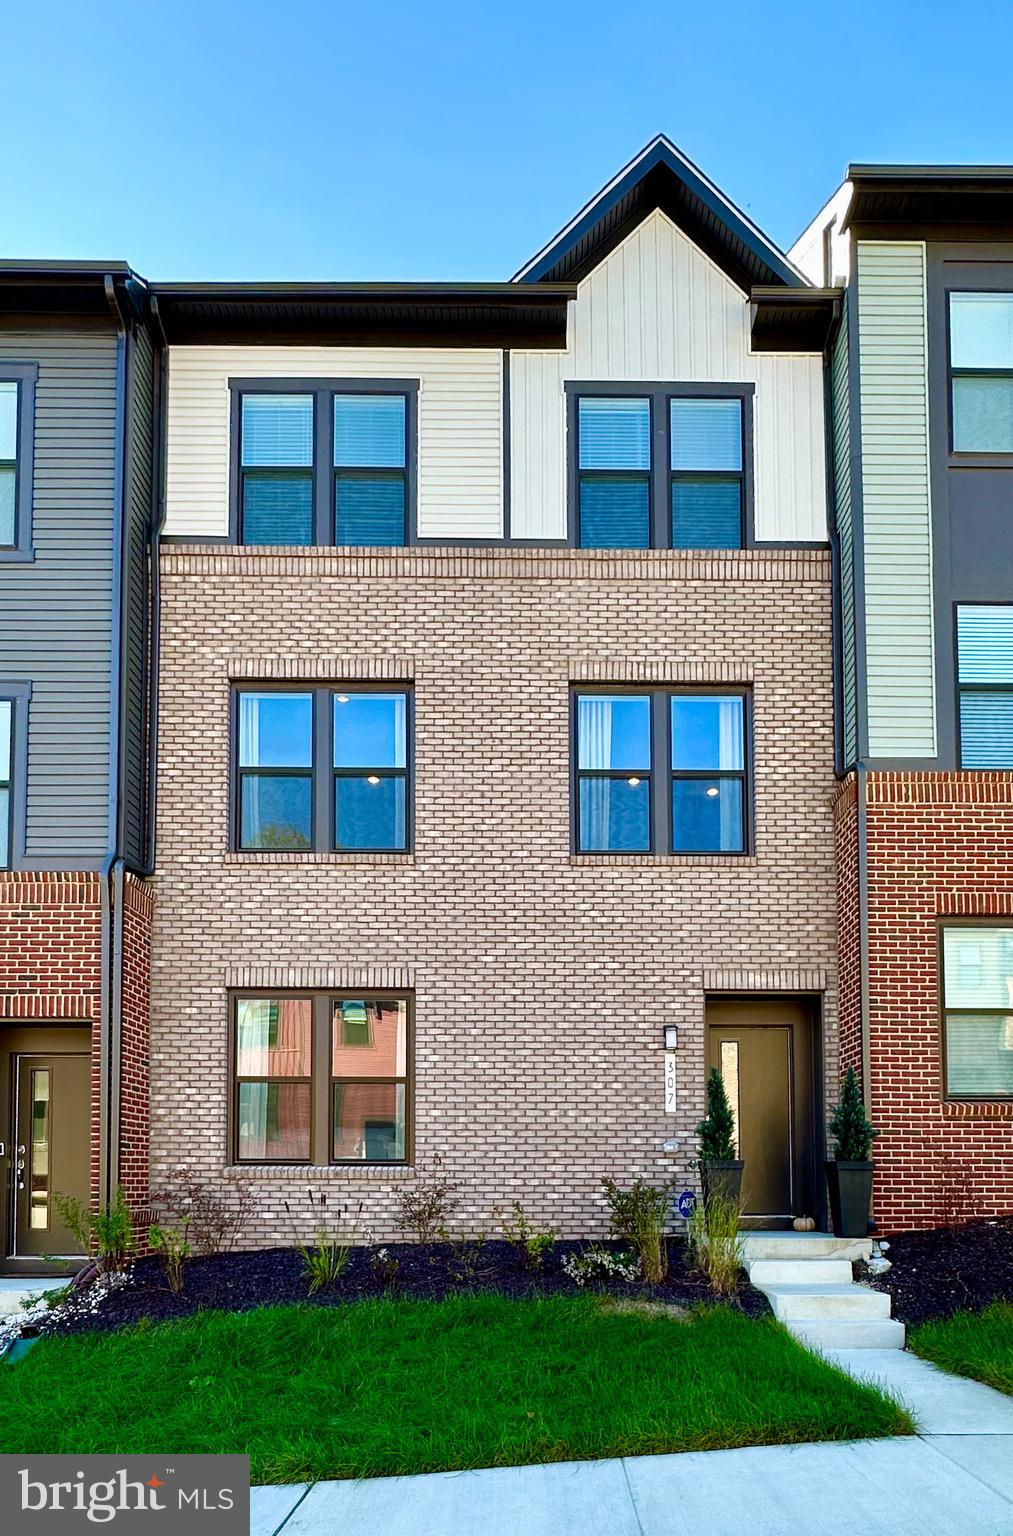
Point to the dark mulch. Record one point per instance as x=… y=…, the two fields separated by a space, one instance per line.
x=235 y=1282
x=947 y=1270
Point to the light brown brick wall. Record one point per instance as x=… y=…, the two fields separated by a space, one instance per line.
x=542 y=982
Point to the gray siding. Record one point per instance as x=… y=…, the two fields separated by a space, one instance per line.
x=55 y=613
x=139 y=473
x=840 y=409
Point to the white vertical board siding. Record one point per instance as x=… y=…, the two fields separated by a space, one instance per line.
x=658 y=310
x=897 y=527
x=460 y=429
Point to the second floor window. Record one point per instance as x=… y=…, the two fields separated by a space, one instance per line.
x=9 y=392
x=322 y=769
x=985 y=685
x=660 y=470
x=981 y=366
x=324 y=466
x=17 y=413
x=660 y=770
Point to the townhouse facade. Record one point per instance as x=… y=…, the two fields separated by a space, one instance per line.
x=522 y=744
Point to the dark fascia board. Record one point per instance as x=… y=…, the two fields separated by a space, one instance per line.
x=438 y=314
x=793 y=319
x=66 y=288
x=660 y=176
x=910 y=196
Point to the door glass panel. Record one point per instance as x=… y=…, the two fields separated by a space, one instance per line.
x=39 y=1153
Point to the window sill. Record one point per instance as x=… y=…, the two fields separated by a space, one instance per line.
x=708 y=860
x=316 y=1171
x=295 y=856
x=971 y=460
x=17 y=556
x=977 y=1109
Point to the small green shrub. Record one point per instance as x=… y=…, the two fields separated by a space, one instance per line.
x=426 y=1208
x=104 y=1232
x=532 y=1244
x=384 y=1264
x=715 y=1242
x=639 y=1214
x=327 y=1258
x=849 y=1126
x=172 y=1244
x=717 y=1130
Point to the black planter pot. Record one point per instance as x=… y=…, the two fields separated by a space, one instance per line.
x=850 y=1186
x=722 y=1178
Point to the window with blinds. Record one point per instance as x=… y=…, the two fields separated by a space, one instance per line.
x=978 y=1011
x=985 y=685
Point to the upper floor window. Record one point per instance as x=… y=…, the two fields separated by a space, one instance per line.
x=978 y=1011
x=6 y=770
x=660 y=770
x=322 y=769
x=323 y=465
x=17 y=410
x=660 y=469
x=985 y=685
x=981 y=364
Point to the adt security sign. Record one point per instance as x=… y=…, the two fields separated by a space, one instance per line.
x=687 y=1204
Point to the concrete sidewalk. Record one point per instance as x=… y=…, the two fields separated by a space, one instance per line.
x=954 y=1479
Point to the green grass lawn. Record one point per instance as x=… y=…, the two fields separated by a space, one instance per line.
x=381 y=1387
x=978 y=1344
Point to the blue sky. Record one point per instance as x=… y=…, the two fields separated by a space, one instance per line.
x=430 y=140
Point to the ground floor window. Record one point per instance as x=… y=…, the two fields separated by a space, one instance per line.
x=320 y=1078
x=978 y=1011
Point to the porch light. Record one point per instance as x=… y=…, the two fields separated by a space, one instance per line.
x=670 y=1034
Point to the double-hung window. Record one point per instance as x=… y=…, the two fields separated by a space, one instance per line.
x=978 y=1011
x=17 y=410
x=6 y=770
x=660 y=468
x=322 y=768
x=981 y=369
x=323 y=464
x=320 y=1078
x=985 y=684
x=660 y=770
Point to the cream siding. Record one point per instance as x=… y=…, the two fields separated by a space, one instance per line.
x=460 y=429
x=658 y=310
x=841 y=441
x=895 y=499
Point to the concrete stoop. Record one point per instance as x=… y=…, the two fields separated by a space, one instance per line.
x=806 y=1277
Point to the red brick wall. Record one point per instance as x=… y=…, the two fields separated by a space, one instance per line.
x=939 y=844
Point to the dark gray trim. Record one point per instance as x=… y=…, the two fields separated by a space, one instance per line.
x=26 y=377
x=659 y=394
x=19 y=694
x=323 y=392
x=659 y=696
x=793 y=319
x=836 y=562
x=505 y=407
x=862 y=831
x=963 y=920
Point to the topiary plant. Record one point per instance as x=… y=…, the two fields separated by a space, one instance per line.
x=849 y=1125
x=717 y=1130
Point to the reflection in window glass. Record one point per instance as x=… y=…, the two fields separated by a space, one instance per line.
x=981 y=362
x=275 y=770
x=978 y=1001
x=370 y=770
x=9 y=394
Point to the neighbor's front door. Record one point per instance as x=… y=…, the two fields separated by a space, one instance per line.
x=52 y=1096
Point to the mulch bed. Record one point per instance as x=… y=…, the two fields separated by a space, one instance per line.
x=947 y=1270
x=271 y=1277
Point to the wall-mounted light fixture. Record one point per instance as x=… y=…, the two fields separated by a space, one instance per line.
x=671 y=1036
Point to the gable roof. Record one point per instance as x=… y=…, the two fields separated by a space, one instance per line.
x=661 y=177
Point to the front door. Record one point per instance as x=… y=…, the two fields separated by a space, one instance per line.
x=51 y=1109
x=762 y=1048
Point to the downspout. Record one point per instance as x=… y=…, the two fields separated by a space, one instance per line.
x=157 y=524
x=861 y=777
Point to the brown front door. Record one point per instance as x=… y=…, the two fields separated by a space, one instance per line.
x=51 y=1101
x=762 y=1048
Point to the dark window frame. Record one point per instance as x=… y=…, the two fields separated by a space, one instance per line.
x=323 y=468
x=961 y=688
x=661 y=771
x=970 y=457
x=321 y=1077
x=18 y=695
x=322 y=772
x=26 y=377
x=660 y=474
x=948 y=921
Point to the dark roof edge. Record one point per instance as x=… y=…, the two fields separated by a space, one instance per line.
x=11 y=268
x=929 y=173
x=405 y=292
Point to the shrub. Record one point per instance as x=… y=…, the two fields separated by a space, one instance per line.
x=849 y=1125
x=715 y=1242
x=533 y=1245
x=325 y=1261
x=384 y=1264
x=426 y=1208
x=104 y=1232
x=215 y=1214
x=717 y=1130
x=600 y=1264
x=173 y=1246
x=640 y=1214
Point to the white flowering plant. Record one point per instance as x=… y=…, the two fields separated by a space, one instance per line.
x=600 y=1264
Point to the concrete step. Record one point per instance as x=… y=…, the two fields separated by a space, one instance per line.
x=807 y=1303
x=763 y=1272
x=849 y=1333
x=803 y=1245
